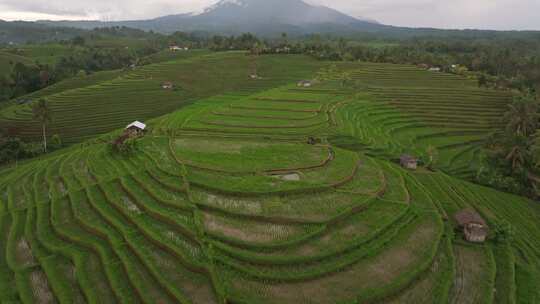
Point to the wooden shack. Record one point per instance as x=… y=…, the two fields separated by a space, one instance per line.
x=473 y=225
x=408 y=162
x=167 y=85
x=135 y=128
x=305 y=83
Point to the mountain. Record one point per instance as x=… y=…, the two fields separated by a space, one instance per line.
x=291 y=12
x=257 y=16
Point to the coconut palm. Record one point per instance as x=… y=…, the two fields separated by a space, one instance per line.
x=522 y=117
x=433 y=155
x=345 y=78
x=256 y=51
x=517 y=152
x=535 y=150
x=42 y=113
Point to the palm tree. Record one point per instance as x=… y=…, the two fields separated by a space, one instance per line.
x=42 y=113
x=345 y=77
x=535 y=149
x=256 y=51
x=284 y=40
x=517 y=152
x=432 y=154
x=522 y=117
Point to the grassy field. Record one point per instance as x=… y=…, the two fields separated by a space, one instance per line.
x=105 y=101
x=8 y=61
x=266 y=193
x=48 y=54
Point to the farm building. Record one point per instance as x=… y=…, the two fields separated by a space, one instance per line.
x=423 y=66
x=167 y=85
x=135 y=128
x=408 y=162
x=434 y=69
x=176 y=48
x=473 y=225
x=283 y=50
x=305 y=83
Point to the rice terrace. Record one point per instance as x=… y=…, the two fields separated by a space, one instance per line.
x=235 y=170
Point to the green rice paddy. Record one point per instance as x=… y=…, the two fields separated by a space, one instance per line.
x=227 y=200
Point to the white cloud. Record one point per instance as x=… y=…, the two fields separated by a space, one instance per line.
x=98 y=9
x=485 y=14
x=17 y=15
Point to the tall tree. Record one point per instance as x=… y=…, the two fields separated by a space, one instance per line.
x=517 y=152
x=42 y=113
x=256 y=51
x=535 y=150
x=284 y=39
x=523 y=117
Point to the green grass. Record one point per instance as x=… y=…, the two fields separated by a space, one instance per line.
x=8 y=60
x=101 y=103
x=253 y=156
x=224 y=199
x=167 y=55
x=44 y=53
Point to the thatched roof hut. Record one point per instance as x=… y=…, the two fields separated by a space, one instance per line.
x=473 y=225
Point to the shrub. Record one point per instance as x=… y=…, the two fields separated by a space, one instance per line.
x=125 y=146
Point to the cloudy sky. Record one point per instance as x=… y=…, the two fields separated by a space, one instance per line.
x=483 y=14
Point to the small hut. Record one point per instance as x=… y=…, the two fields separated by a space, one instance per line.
x=135 y=128
x=408 y=162
x=313 y=141
x=305 y=83
x=473 y=225
x=167 y=85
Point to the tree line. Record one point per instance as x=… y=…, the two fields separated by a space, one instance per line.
x=513 y=154
x=25 y=79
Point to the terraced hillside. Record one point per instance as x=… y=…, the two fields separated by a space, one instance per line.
x=97 y=108
x=405 y=109
x=84 y=81
x=225 y=201
x=48 y=54
x=8 y=61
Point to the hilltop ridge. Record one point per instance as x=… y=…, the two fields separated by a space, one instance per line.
x=257 y=16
